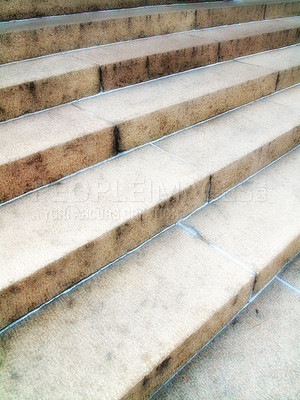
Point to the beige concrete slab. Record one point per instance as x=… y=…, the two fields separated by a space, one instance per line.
x=255 y=358
x=291 y=273
x=45 y=82
x=258 y=222
x=234 y=146
x=124 y=332
x=27 y=39
x=152 y=110
x=279 y=60
x=44 y=147
x=74 y=228
x=137 y=61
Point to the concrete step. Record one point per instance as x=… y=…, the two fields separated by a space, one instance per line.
x=72 y=229
x=259 y=224
x=57 y=142
x=33 y=85
x=262 y=342
x=32 y=38
x=21 y=9
x=124 y=332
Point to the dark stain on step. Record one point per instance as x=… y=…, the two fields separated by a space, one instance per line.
x=146 y=381
x=15 y=289
x=31 y=87
x=163 y=365
x=120 y=230
x=37 y=158
x=50 y=272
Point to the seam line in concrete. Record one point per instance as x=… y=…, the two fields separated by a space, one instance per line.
x=288 y=285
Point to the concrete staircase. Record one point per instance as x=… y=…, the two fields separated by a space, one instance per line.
x=127 y=145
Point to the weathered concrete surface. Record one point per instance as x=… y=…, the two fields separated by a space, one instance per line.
x=255 y=358
x=124 y=332
x=72 y=229
x=258 y=223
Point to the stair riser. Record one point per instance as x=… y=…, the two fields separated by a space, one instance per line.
x=255 y=44
x=236 y=172
x=18 y=45
x=65 y=272
x=19 y=9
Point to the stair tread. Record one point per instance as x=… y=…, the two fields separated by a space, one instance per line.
x=146 y=314
x=260 y=345
x=266 y=208
x=140 y=189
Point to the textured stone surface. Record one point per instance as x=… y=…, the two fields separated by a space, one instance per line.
x=50 y=35
x=124 y=332
x=141 y=113
x=154 y=109
x=137 y=61
x=240 y=40
x=235 y=145
x=19 y=9
x=45 y=82
x=255 y=358
x=258 y=222
x=276 y=10
x=44 y=147
x=229 y=13
x=291 y=273
x=49 y=81
x=140 y=60
x=279 y=60
x=74 y=228
x=26 y=39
